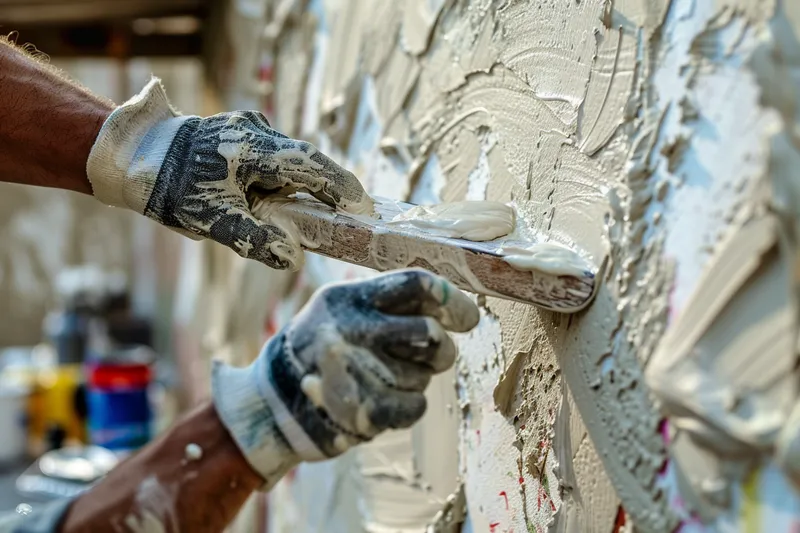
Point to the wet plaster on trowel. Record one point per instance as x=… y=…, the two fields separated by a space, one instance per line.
x=469 y=220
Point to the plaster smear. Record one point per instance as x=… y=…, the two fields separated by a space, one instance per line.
x=153 y=510
x=292 y=70
x=419 y=17
x=737 y=415
x=552 y=50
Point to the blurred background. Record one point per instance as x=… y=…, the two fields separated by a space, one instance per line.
x=108 y=323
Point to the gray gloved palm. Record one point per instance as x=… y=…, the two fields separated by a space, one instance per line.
x=194 y=174
x=354 y=362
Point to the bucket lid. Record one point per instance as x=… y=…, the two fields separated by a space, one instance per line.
x=120 y=375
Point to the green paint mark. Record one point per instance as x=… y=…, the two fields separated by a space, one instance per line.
x=445 y=292
x=751 y=508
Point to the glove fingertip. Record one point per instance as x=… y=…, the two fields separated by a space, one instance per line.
x=344 y=191
x=364 y=206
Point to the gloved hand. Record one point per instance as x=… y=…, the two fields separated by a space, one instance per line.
x=354 y=362
x=193 y=174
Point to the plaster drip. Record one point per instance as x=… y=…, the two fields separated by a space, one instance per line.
x=193 y=452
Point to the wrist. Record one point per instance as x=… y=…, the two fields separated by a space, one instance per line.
x=251 y=421
x=50 y=126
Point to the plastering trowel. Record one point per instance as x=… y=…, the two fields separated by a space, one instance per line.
x=549 y=276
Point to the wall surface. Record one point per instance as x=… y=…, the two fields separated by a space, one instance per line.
x=660 y=138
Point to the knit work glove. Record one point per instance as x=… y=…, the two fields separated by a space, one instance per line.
x=194 y=174
x=354 y=362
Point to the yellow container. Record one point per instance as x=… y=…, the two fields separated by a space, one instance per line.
x=56 y=401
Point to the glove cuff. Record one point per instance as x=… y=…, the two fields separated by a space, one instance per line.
x=129 y=150
x=252 y=422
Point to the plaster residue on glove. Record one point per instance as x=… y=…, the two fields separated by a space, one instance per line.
x=353 y=363
x=370 y=349
x=262 y=159
x=292 y=165
x=271 y=210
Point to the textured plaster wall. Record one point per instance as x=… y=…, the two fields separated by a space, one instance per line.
x=644 y=132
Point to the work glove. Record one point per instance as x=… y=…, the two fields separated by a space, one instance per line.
x=196 y=175
x=354 y=362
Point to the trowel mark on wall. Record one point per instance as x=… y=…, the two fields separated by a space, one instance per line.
x=610 y=84
x=478 y=179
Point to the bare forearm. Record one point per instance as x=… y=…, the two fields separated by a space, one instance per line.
x=162 y=484
x=47 y=124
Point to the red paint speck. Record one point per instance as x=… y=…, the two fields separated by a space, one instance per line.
x=478 y=433
x=505 y=497
x=619 y=521
x=663 y=428
x=522 y=426
x=521 y=480
x=493 y=526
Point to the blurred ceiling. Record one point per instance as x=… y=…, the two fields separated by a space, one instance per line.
x=60 y=12
x=117 y=28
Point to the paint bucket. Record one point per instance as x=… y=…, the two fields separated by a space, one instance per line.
x=120 y=415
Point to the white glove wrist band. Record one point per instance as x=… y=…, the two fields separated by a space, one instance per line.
x=250 y=421
x=129 y=150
